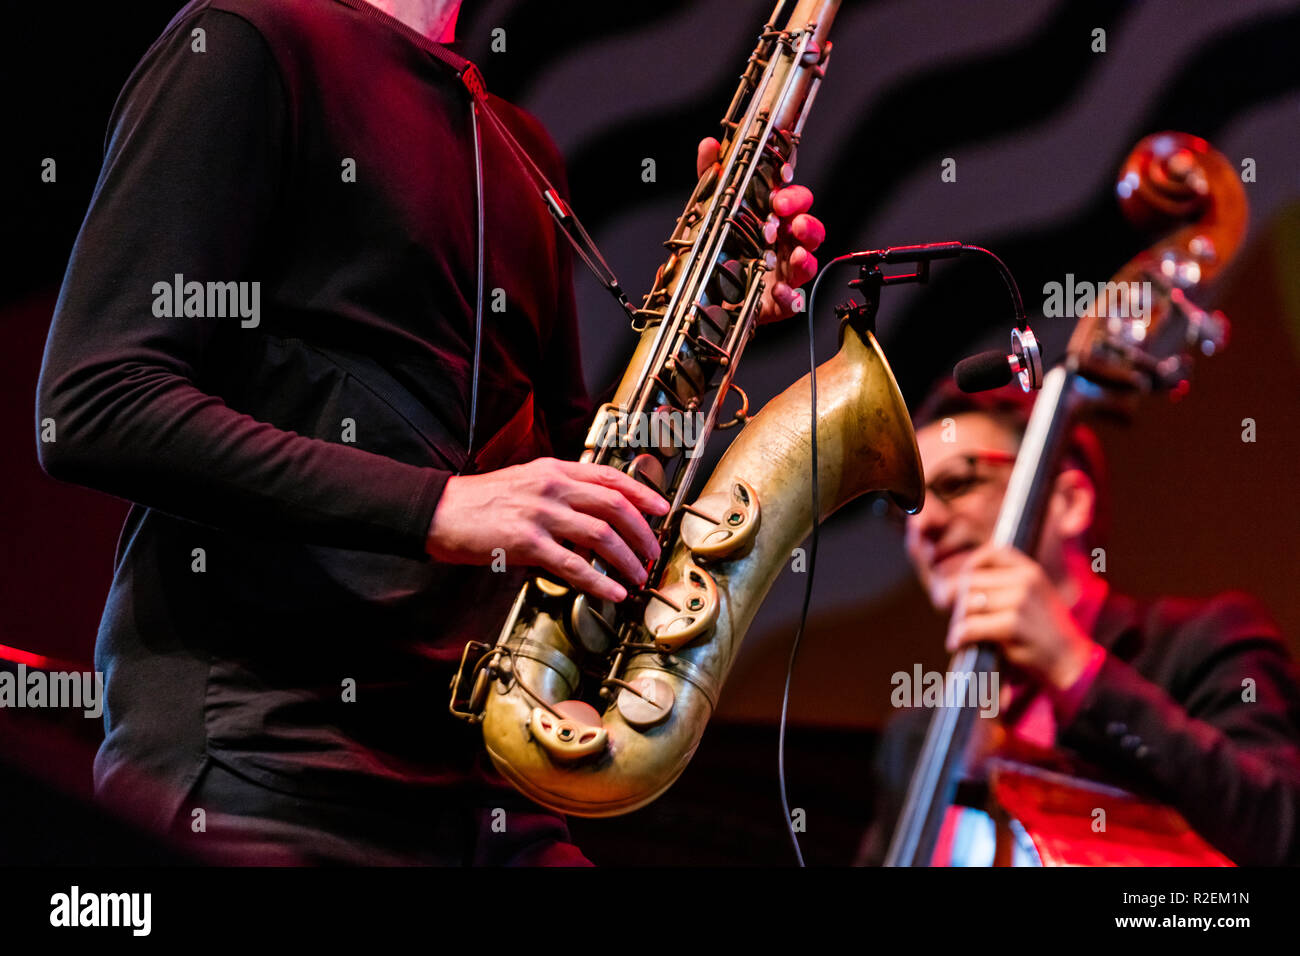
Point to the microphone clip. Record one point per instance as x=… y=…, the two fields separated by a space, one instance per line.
x=871 y=278
x=1026 y=360
x=995 y=368
x=919 y=256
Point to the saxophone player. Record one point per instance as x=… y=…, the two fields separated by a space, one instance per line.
x=1151 y=692
x=332 y=494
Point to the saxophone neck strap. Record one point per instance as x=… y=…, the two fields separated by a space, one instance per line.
x=471 y=78
x=556 y=205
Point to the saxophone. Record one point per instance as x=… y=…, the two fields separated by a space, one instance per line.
x=659 y=658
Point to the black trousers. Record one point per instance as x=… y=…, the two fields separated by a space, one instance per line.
x=245 y=823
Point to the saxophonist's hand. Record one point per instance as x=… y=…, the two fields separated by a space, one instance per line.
x=536 y=512
x=796 y=234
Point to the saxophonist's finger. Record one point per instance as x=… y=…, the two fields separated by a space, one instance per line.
x=706 y=154
x=643 y=497
x=791 y=200
x=614 y=509
x=800 y=267
x=554 y=558
x=597 y=536
x=808 y=231
x=784 y=297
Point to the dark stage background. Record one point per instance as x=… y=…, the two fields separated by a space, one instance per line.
x=1037 y=124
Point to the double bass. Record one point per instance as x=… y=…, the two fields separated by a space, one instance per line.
x=1178 y=186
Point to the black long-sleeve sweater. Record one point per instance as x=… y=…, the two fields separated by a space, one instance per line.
x=282 y=480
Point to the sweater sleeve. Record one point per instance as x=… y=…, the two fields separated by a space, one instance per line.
x=1226 y=752
x=194 y=167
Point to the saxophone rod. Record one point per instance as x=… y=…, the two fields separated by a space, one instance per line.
x=687 y=473
x=717 y=228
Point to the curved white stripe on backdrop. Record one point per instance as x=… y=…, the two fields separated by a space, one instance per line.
x=880 y=48
x=1269 y=133
x=1073 y=150
x=677 y=62
x=663 y=66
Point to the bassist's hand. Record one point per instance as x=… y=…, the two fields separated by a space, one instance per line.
x=1006 y=599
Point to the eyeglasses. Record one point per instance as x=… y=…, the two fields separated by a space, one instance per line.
x=965 y=477
x=954 y=482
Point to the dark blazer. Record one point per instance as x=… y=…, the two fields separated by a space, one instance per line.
x=1197 y=705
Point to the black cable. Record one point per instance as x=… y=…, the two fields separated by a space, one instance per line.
x=1021 y=320
x=812 y=557
x=1007 y=279
x=478 y=299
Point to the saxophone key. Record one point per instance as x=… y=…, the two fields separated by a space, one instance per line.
x=575 y=733
x=647 y=703
x=722 y=524
x=550 y=588
x=591 y=621
x=684 y=610
x=716 y=322
x=732 y=282
x=648 y=470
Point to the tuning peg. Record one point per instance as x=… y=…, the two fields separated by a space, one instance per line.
x=1207 y=331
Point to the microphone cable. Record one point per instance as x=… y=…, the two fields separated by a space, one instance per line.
x=812 y=555
x=922 y=253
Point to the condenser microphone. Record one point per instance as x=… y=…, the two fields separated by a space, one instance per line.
x=987 y=370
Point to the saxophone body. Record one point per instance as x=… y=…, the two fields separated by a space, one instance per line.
x=594 y=709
